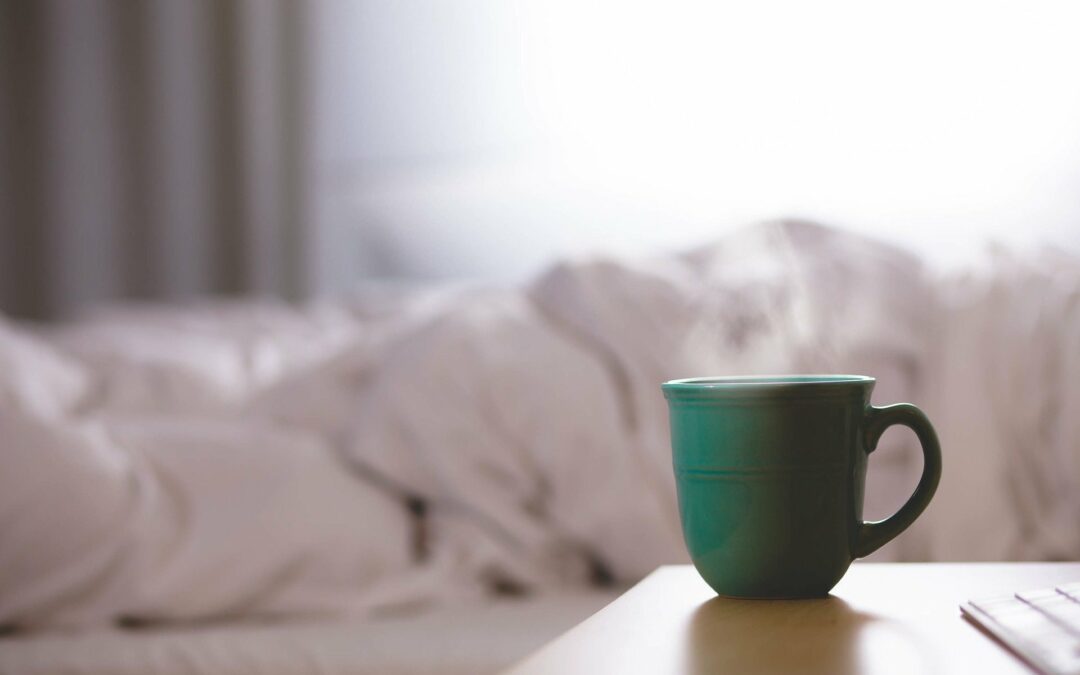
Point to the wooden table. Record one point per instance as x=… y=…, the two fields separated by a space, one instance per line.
x=881 y=618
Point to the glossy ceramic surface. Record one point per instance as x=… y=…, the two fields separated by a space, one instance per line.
x=770 y=474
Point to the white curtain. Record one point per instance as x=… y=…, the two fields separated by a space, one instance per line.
x=150 y=150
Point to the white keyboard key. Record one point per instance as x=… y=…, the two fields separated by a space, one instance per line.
x=1057 y=606
x=1042 y=626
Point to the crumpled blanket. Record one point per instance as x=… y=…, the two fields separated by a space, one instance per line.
x=1005 y=398
x=387 y=450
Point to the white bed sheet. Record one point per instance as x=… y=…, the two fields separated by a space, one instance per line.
x=470 y=639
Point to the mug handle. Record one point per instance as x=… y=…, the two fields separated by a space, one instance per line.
x=872 y=536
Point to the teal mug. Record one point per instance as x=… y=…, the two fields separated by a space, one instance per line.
x=770 y=474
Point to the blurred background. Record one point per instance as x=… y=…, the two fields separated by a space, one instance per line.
x=171 y=149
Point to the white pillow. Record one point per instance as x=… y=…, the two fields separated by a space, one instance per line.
x=37 y=378
x=68 y=505
x=186 y=519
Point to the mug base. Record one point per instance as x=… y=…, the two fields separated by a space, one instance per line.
x=730 y=596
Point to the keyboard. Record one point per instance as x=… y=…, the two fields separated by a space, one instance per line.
x=1042 y=626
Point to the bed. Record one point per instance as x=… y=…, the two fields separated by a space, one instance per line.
x=470 y=640
x=362 y=484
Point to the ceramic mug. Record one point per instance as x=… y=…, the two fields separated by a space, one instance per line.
x=770 y=474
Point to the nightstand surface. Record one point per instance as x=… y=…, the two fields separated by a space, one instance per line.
x=880 y=618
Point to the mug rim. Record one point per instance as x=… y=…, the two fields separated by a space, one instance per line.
x=726 y=385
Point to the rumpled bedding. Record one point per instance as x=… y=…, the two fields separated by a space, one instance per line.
x=391 y=450
x=1004 y=394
